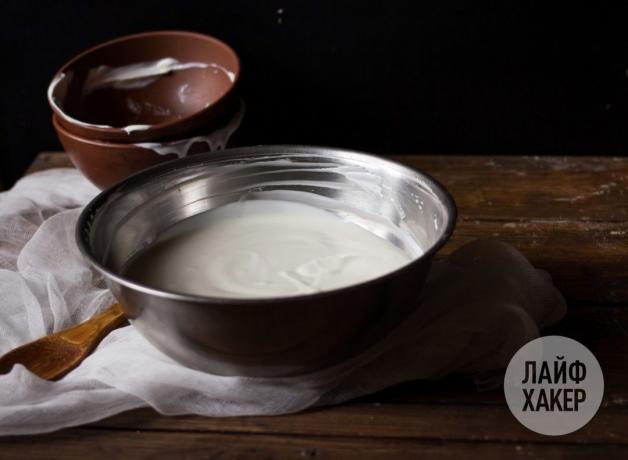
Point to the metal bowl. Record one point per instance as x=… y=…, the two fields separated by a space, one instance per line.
x=270 y=336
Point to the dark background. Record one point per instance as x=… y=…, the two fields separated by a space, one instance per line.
x=387 y=77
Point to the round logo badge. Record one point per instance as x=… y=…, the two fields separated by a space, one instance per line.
x=554 y=385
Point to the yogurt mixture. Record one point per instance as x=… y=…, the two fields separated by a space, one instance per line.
x=264 y=248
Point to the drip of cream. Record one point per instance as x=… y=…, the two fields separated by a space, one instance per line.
x=132 y=76
x=264 y=248
x=131 y=128
x=216 y=140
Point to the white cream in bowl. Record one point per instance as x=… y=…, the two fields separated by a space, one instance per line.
x=264 y=248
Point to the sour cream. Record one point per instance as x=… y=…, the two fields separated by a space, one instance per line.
x=264 y=248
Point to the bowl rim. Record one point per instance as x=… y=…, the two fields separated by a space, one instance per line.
x=109 y=144
x=261 y=150
x=98 y=129
x=86 y=140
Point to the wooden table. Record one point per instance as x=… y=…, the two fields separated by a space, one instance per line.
x=568 y=215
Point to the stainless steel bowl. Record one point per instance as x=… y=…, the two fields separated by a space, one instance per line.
x=277 y=336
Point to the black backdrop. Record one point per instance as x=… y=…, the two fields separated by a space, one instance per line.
x=388 y=77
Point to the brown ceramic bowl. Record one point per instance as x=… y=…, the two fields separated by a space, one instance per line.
x=105 y=163
x=170 y=104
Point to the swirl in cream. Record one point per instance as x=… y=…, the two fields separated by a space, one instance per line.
x=264 y=248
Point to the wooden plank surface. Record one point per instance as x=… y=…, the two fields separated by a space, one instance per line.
x=385 y=420
x=80 y=444
x=568 y=215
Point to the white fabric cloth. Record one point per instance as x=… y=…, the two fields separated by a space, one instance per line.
x=479 y=306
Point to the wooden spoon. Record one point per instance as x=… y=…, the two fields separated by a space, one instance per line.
x=55 y=355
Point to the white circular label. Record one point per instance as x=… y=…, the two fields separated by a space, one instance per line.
x=554 y=385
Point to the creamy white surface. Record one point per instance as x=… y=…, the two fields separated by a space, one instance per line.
x=134 y=76
x=265 y=248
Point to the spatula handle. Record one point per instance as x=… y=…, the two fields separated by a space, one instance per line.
x=55 y=355
x=89 y=333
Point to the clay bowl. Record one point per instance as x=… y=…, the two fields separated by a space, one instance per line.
x=88 y=104
x=270 y=336
x=105 y=163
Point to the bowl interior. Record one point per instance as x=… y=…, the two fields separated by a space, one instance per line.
x=388 y=199
x=85 y=90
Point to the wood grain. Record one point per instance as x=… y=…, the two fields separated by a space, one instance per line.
x=587 y=260
x=103 y=444
x=49 y=160
x=555 y=189
x=385 y=420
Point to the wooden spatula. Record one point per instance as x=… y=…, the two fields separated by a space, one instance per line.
x=55 y=355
